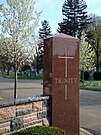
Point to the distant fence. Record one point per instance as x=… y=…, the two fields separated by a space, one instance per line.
x=23 y=113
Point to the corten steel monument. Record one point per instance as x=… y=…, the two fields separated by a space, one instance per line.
x=61 y=81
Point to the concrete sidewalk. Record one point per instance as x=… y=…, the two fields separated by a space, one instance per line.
x=84 y=132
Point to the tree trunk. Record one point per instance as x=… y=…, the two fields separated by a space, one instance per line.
x=97 y=65
x=8 y=71
x=15 y=81
x=97 y=57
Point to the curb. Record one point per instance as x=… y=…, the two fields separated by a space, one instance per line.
x=84 y=132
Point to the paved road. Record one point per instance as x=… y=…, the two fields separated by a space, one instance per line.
x=24 y=88
x=90 y=110
x=90 y=101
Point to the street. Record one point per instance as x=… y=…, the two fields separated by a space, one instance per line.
x=24 y=88
x=90 y=110
x=90 y=101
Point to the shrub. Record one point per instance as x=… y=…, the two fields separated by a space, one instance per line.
x=97 y=76
x=26 y=67
x=40 y=130
x=86 y=75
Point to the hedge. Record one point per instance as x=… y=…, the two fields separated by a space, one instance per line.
x=86 y=75
x=97 y=75
x=40 y=130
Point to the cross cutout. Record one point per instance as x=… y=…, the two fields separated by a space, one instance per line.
x=66 y=58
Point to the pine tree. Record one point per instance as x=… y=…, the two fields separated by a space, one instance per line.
x=44 y=32
x=75 y=17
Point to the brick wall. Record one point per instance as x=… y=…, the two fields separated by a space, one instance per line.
x=23 y=113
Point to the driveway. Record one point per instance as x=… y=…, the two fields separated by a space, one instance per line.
x=24 y=88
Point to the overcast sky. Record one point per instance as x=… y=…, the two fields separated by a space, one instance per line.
x=52 y=10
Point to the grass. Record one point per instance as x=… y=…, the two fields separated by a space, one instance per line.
x=2 y=98
x=23 y=77
x=93 y=85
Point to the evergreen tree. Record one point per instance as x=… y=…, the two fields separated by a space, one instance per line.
x=75 y=17
x=44 y=32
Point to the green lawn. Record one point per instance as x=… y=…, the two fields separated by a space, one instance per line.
x=95 y=85
x=23 y=77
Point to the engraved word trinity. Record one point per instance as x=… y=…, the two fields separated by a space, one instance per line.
x=66 y=80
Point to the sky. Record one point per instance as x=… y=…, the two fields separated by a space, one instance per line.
x=52 y=10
